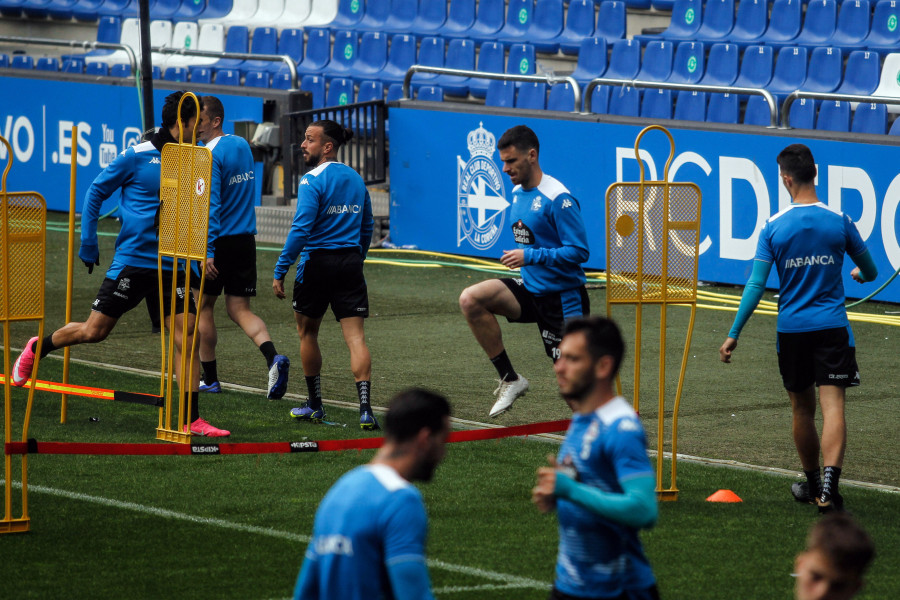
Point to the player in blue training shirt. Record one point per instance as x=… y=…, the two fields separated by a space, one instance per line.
x=132 y=274
x=231 y=251
x=330 y=233
x=369 y=533
x=806 y=242
x=601 y=483
x=551 y=247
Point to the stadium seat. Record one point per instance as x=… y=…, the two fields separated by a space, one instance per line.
x=869 y=118
x=656 y=104
x=757 y=111
x=375 y=16
x=819 y=24
x=129 y=35
x=237 y=40
x=562 y=98
x=756 y=67
x=431 y=54
x=282 y=80
x=175 y=74
x=228 y=77
x=852 y=25
x=803 y=114
x=860 y=73
x=257 y=79
x=88 y=10
x=322 y=12
x=184 y=35
x=340 y=92
x=833 y=116
x=895 y=128
x=579 y=26
x=521 y=60
x=532 y=95
x=750 y=22
x=344 y=54
x=547 y=25
x=625 y=101
x=315 y=85
x=119 y=8
x=296 y=14
x=690 y=106
x=430 y=93
x=22 y=61
x=160 y=35
x=4 y=61
x=591 y=60
x=349 y=14
x=598 y=101
x=369 y=91
x=241 y=13
x=402 y=16
x=373 y=51
x=431 y=17
x=784 y=22
x=688 y=64
x=460 y=55
x=723 y=108
x=718 y=21
x=721 y=65
x=109 y=31
x=824 y=71
x=686 y=21
x=488 y=21
x=210 y=39
x=194 y=11
x=70 y=65
x=460 y=18
x=124 y=70
x=884 y=35
x=268 y=13
x=519 y=14
x=60 y=9
x=35 y=9
x=96 y=68
x=656 y=65
x=611 y=21
x=889 y=85
x=290 y=42
x=163 y=9
x=500 y=93
x=46 y=63
x=491 y=59
x=790 y=71
x=394 y=92
x=639 y=4
x=200 y=74
x=624 y=60
x=318 y=51
x=265 y=41
x=662 y=5
x=401 y=56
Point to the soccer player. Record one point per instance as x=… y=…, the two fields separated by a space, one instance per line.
x=838 y=552
x=551 y=247
x=331 y=233
x=132 y=274
x=601 y=483
x=369 y=531
x=806 y=241
x=231 y=251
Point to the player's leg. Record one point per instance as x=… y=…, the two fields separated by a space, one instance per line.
x=311 y=361
x=277 y=365
x=480 y=303
x=834 y=443
x=803 y=427
x=209 y=338
x=798 y=375
x=361 y=366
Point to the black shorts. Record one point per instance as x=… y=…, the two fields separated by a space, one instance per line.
x=823 y=357
x=235 y=259
x=332 y=277
x=117 y=296
x=650 y=593
x=549 y=312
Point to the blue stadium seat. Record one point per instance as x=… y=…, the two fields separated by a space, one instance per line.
x=521 y=59
x=61 y=9
x=895 y=128
x=236 y=40
x=718 y=21
x=430 y=93
x=688 y=64
x=460 y=17
x=403 y=14
x=491 y=59
x=662 y=5
x=431 y=17
x=639 y=4
x=282 y=80
x=190 y=10
x=394 y=93
x=11 y=8
x=35 y=9
x=591 y=60
x=869 y=118
x=825 y=69
x=884 y=35
x=803 y=114
x=349 y=14
x=265 y=41
x=547 y=25
x=756 y=67
x=579 y=25
x=833 y=116
x=318 y=51
x=784 y=22
x=22 y=61
x=686 y=21
x=87 y=10
x=690 y=106
x=228 y=77
x=257 y=79
x=431 y=54
x=344 y=54
x=175 y=74
x=723 y=108
x=625 y=101
x=599 y=100
x=96 y=68
x=819 y=24
x=562 y=98
x=656 y=64
x=109 y=31
x=757 y=111
x=373 y=51
x=164 y=10
x=852 y=25
x=488 y=21
x=721 y=65
x=750 y=22
x=71 y=65
x=519 y=16
x=501 y=94
x=4 y=61
x=532 y=96
x=370 y=90
x=200 y=74
x=657 y=104
x=315 y=85
x=624 y=60
x=401 y=56
x=460 y=55
x=611 y=21
x=861 y=74
x=290 y=42
x=119 y=8
x=46 y=63
x=790 y=71
x=375 y=15
x=340 y=92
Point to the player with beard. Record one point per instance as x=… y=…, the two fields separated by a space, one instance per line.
x=601 y=483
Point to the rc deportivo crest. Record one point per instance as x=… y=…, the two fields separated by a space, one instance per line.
x=482 y=199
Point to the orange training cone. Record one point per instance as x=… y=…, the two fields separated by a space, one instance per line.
x=724 y=496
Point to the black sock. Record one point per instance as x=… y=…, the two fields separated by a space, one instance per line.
x=830 y=483
x=314 y=388
x=362 y=389
x=504 y=367
x=268 y=350
x=210 y=373
x=46 y=346
x=195 y=406
x=814 y=480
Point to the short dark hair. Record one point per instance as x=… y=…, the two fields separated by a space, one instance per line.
x=412 y=410
x=602 y=335
x=170 y=110
x=521 y=137
x=840 y=538
x=797 y=161
x=334 y=132
x=213 y=107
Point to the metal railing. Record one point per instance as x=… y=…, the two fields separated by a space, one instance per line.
x=132 y=58
x=721 y=89
x=548 y=79
x=282 y=58
x=786 y=107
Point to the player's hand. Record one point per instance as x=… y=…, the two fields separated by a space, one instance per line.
x=211 y=271
x=89 y=255
x=856 y=276
x=278 y=288
x=542 y=495
x=726 y=349
x=513 y=259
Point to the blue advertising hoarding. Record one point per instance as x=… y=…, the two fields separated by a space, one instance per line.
x=37 y=115
x=448 y=192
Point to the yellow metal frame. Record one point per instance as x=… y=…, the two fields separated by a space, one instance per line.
x=640 y=275
x=23 y=223
x=185 y=179
x=70 y=270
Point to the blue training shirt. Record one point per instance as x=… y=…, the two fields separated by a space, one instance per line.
x=598 y=557
x=806 y=243
x=231 y=197
x=137 y=172
x=370 y=520
x=547 y=223
x=333 y=211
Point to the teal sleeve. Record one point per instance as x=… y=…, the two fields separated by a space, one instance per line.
x=867 y=269
x=753 y=292
x=634 y=507
x=409 y=579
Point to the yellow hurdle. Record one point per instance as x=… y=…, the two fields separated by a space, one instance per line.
x=652 y=248
x=186 y=176
x=23 y=221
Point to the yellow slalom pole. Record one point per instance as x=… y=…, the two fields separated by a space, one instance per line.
x=70 y=273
